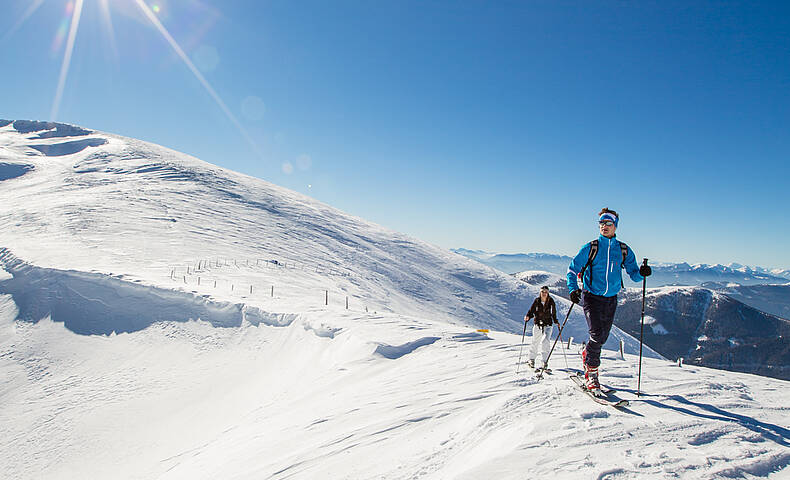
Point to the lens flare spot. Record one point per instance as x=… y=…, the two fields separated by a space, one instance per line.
x=304 y=162
x=60 y=36
x=253 y=108
x=288 y=168
x=206 y=58
x=196 y=72
x=155 y=8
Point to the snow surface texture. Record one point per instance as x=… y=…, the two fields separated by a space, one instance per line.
x=116 y=363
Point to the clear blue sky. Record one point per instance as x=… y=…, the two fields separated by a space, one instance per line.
x=502 y=126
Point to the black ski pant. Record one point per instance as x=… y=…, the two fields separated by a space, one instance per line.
x=599 y=312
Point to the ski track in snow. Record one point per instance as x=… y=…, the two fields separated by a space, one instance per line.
x=116 y=363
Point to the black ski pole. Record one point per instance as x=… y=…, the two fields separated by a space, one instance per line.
x=540 y=375
x=518 y=365
x=564 y=355
x=641 y=333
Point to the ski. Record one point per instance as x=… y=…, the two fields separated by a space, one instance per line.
x=579 y=381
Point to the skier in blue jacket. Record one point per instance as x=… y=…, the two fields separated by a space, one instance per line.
x=600 y=262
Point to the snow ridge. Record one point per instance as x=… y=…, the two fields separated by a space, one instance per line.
x=98 y=304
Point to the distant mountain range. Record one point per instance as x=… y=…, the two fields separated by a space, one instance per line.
x=773 y=299
x=663 y=273
x=708 y=328
x=519 y=262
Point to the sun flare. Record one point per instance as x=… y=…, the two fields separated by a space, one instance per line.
x=64 y=68
x=68 y=29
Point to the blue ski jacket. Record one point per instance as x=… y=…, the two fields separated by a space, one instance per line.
x=603 y=276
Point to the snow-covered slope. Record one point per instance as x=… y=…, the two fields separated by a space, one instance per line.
x=557 y=284
x=353 y=396
x=164 y=318
x=540 y=278
x=115 y=205
x=110 y=206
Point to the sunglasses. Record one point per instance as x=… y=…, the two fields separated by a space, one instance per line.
x=608 y=223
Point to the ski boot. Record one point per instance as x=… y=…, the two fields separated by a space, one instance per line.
x=591 y=380
x=591 y=376
x=544 y=368
x=584 y=358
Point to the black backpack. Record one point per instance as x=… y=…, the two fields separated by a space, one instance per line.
x=594 y=252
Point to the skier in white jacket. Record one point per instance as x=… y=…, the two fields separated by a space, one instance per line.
x=544 y=311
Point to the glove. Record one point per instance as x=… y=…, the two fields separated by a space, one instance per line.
x=645 y=270
x=576 y=296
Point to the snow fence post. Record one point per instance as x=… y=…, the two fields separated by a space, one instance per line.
x=346 y=302
x=570 y=341
x=272 y=291
x=622 y=349
x=326 y=302
x=250 y=289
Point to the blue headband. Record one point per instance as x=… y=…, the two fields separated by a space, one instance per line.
x=608 y=216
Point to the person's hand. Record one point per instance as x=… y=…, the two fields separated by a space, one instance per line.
x=576 y=296
x=645 y=270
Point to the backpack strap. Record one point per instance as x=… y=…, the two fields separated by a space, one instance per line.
x=590 y=258
x=624 y=250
